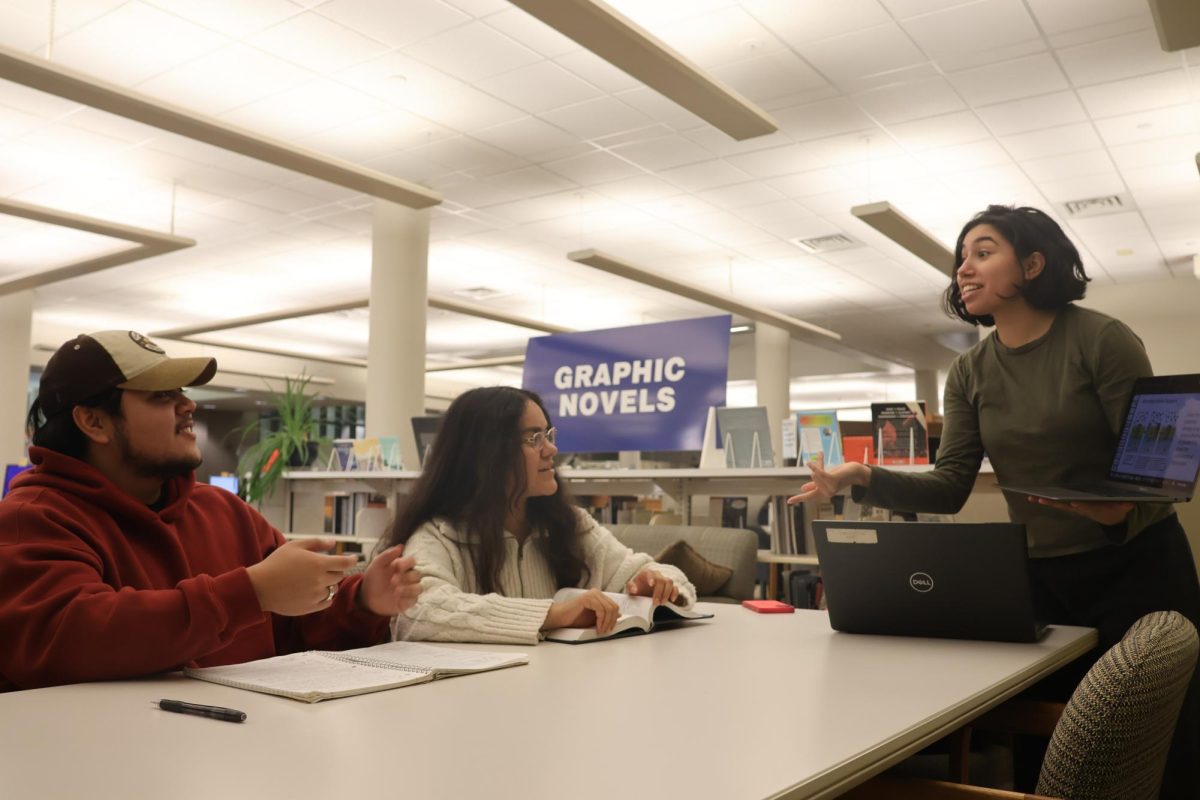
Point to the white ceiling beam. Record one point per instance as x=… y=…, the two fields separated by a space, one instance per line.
x=434 y=301
x=804 y=331
x=80 y=88
x=627 y=46
x=147 y=243
x=893 y=224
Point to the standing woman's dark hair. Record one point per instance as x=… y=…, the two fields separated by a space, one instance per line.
x=473 y=476
x=1029 y=231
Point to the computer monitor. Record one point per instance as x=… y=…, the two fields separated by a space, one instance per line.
x=11 y=471
x=226 y=482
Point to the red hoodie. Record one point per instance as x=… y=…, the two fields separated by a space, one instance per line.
x=95 y=585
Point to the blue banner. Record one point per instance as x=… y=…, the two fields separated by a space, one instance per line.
x=646 y=387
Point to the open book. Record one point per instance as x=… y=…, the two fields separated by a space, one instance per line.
x=638 y=615
x=323 y=675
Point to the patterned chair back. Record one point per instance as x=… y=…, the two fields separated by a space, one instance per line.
x=1112 y=740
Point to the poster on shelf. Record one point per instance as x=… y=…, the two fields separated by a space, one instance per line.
x=645 y=387
x=901 y=432
x=819 y=432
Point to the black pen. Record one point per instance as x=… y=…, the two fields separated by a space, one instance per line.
x=215 y=712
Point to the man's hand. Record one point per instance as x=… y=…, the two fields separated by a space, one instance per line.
x=582 y=611
x=652 y=583
x=390 y=584
x=1106 y=513
x=296 y=578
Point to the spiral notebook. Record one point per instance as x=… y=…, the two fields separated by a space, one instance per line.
x=317 y=675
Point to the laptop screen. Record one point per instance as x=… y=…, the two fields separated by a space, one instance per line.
x=1160 y=440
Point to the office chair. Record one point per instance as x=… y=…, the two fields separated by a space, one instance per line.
x=1112 y=738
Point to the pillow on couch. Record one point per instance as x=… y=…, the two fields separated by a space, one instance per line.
x=707 y=577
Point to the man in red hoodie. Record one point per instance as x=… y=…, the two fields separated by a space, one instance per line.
x=115 y=563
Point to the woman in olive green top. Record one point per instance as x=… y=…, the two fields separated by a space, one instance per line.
x=1044 y=396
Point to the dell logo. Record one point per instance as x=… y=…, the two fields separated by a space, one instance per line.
x=920 y=582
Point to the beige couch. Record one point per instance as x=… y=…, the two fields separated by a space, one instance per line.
x=735 y=548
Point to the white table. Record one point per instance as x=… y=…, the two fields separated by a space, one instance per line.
x=741 y=706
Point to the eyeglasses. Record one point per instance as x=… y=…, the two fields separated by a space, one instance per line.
x=535 y=440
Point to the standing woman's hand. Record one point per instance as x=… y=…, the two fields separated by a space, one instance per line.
x=827 y=483
x=1106 y=513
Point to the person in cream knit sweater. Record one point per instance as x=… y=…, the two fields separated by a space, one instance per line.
x=495 y=536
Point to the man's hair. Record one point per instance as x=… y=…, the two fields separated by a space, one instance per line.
x=475 y=473
x=1029 y=231
x=60 y=433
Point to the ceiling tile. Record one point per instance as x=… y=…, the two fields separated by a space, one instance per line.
x=595 y=118
x=638 y=189
x=528 y=137
x=1055 y=16
x=704 y=175
x=225 y=79
x=1032 y=113
x=1010 y=80
x=1143 y=125
x=987 y=25
x=24 y=31
x=659 y=108
x=311 y=107
x=472 y=52
x=948 y=129
x=850 y=59
x=1083 y=187
x=589 y=67
x=539 y=87
x=903 y=9
x=1113 y=59
x=317 y=43
x=420 y=18
x=532 y=32
x=769 y=76
x=721 y=36
x=903 y=102
x=232 y=17
x=662 y=153
x=1158 y=151
x=826 y=118
x=775 y=161
x=1052 y=141
x=133 y=43
x=797 y=23
x=1137 y=94
x=594 y=167
x=1074 y=165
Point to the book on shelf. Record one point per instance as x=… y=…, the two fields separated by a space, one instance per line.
x=638 y=615
x=818 y=432
x=859 y=448
x=787 y=527
x=425 y=432
x=317 y=675
x=901 y=433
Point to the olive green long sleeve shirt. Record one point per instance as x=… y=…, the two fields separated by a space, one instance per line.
x=1049 y=413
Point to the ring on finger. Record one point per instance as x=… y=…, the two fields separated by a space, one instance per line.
x=331 y=590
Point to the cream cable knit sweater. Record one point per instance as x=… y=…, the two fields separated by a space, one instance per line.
x=448 y=610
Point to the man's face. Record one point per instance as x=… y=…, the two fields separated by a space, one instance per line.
x=155 y=437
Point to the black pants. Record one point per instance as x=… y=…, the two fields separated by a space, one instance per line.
x=1110 y=589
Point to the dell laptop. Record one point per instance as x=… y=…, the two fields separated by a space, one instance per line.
x=940 y=579
x=1158 y=451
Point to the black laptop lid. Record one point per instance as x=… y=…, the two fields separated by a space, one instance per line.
x=946 y=580
x=1159 y=445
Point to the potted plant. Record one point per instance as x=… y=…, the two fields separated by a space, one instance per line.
x=294 y=444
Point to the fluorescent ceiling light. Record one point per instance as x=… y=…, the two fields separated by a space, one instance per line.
x=627 y=46
x=741 y=329
x=802 y=330
x=1196 y=266
x=147 y=243
x=906 y=233
x=1177 y=23
x=71 y=85
x=443 y=303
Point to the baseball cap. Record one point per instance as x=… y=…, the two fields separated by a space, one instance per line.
x=93 y=363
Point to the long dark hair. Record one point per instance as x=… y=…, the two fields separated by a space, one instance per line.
x=475 y=473
x=1029 y=231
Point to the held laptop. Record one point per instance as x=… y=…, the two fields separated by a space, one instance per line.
x=1158 y=452
x=941 y=579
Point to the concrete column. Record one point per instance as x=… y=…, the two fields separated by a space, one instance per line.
x=772 y=373
x=927 y=390
x=396 y=352
x=16 y=323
